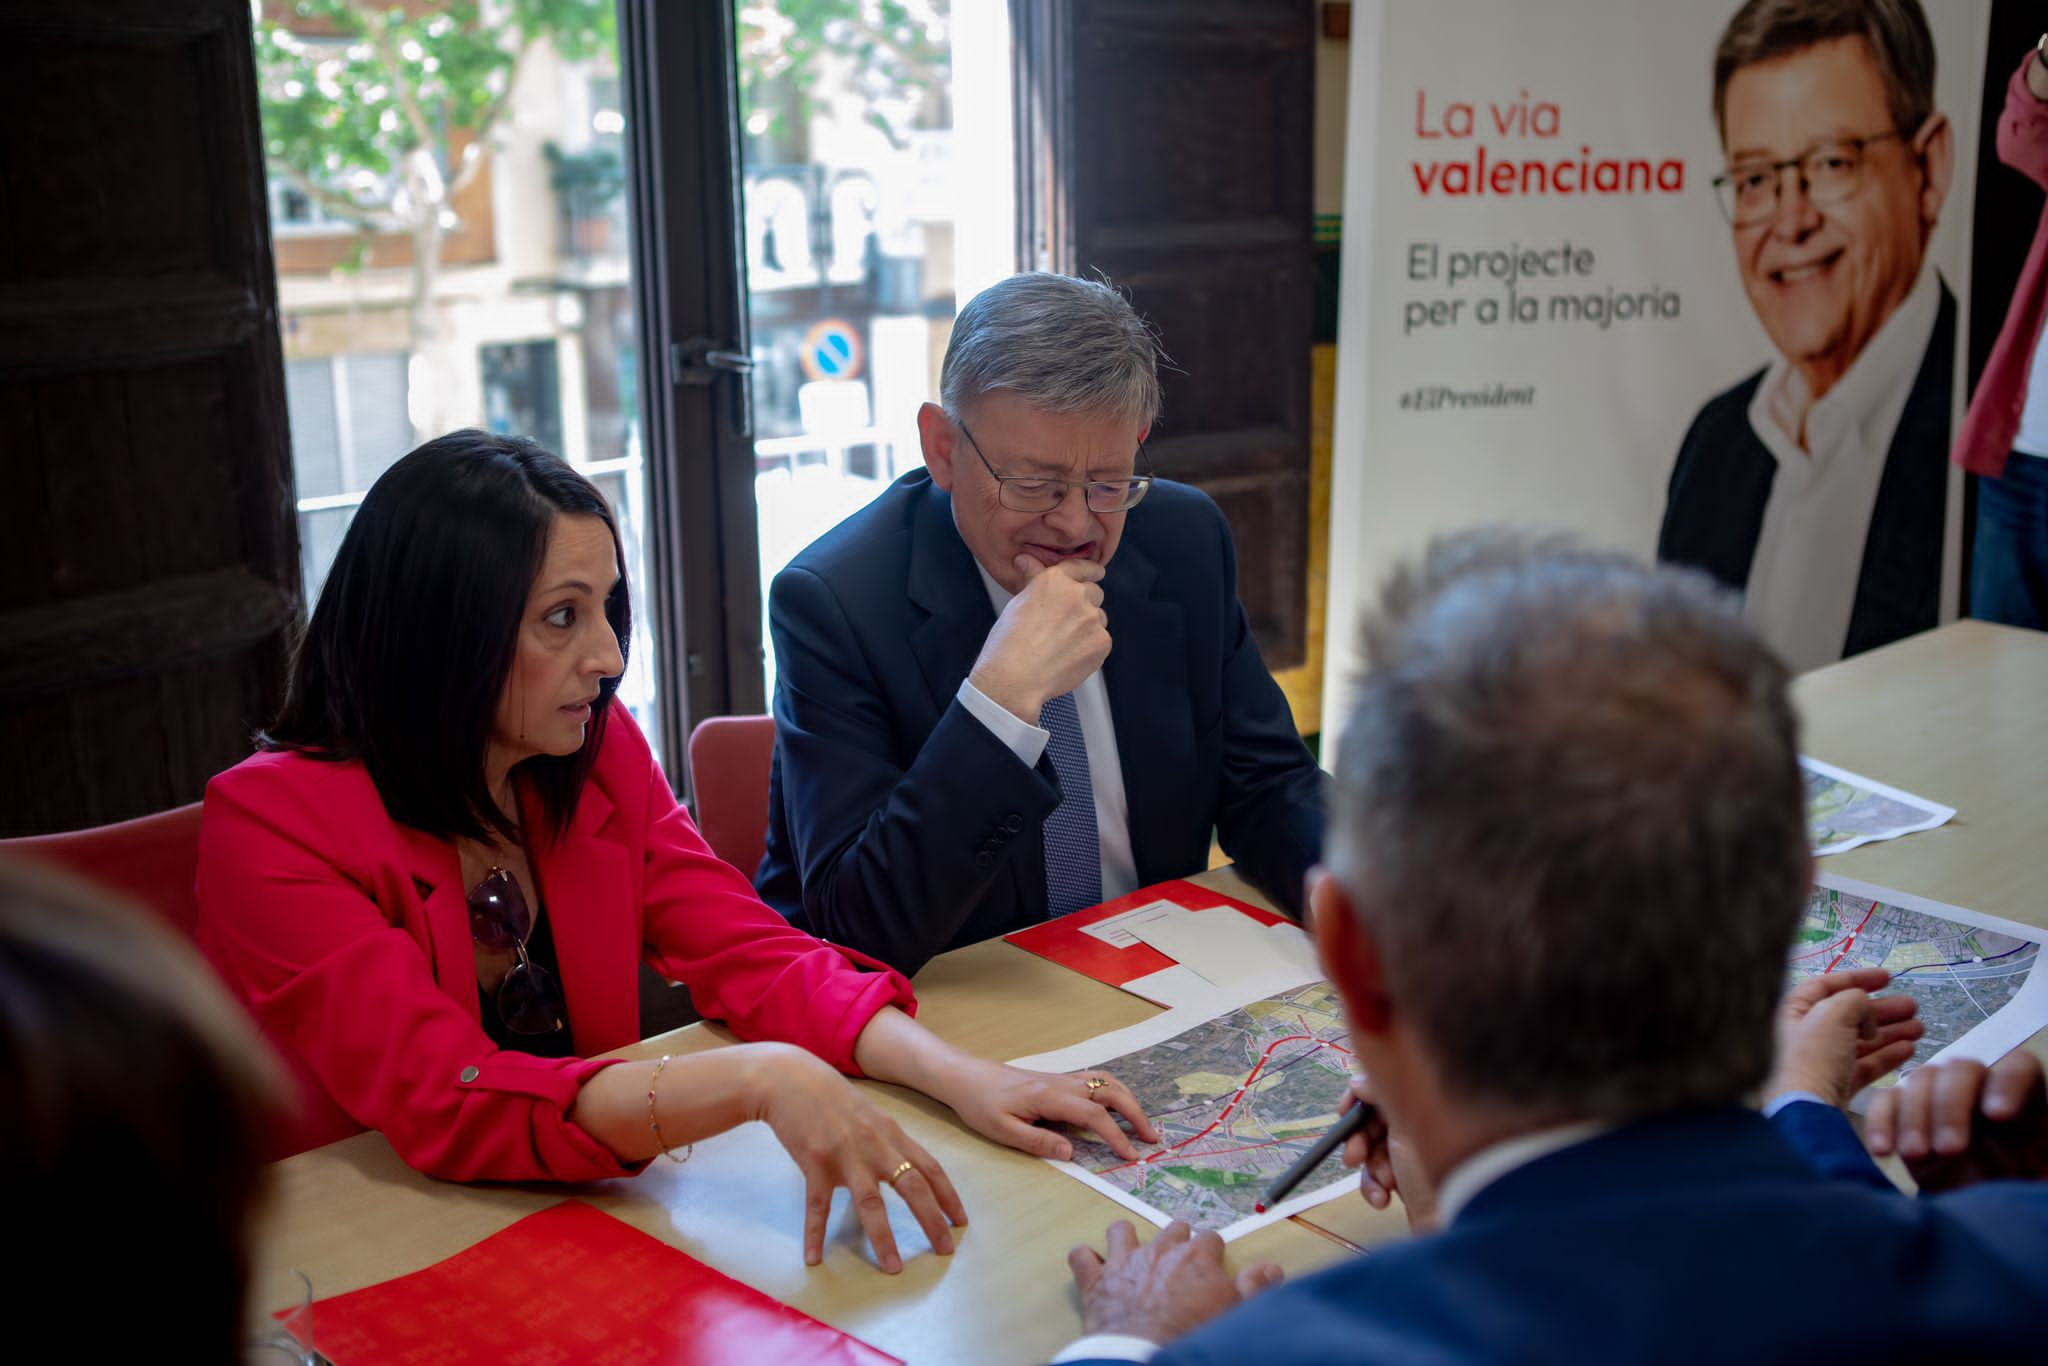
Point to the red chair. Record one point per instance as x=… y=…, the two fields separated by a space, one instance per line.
x=151 y=859
x=729 y=760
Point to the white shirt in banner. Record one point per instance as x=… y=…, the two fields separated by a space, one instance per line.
x=1809 y=553
x=1098 y=734
x=2032 y=438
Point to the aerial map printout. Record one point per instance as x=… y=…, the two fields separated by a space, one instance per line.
x=1244 y=1082
x=1845 y=809
x=1972 y=974
x=1239 y=1089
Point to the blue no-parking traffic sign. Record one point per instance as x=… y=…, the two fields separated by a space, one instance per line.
x=831 y=350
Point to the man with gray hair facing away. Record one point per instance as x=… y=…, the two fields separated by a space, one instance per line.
x=1568 y=853
x=1020 y=682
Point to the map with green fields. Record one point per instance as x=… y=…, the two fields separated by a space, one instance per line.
x=1237 y=1099
x=1845 y=810
x=1962 y=974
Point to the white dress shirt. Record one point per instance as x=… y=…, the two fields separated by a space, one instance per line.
x=1109 y=1347
x=1831 y=456
x=1098 y=733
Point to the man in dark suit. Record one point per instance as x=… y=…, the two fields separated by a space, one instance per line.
x=1818 y=486
x=1567 y=857
x=959 y=751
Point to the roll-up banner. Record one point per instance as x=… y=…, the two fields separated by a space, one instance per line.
x=1686 y=279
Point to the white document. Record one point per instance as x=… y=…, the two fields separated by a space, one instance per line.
x=1240 y=1084
x=1296 y=951
x=1221 y=945
x=1216 y=947
x=1117 y=930
x=1973 y=974
x=1845 y=809
x=1170 y=987
x=1225 y=946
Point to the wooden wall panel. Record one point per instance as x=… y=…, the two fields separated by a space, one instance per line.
x=151 y=584
x=1168 y=147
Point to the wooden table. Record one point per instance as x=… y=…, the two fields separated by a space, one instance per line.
x=1959 y=715
x=351 y=1214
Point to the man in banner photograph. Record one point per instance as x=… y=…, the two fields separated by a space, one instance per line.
x=1817 y=486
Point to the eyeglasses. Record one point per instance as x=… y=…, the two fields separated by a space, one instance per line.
x=1748 y=194
x=529 y=1000
x=1030 y=493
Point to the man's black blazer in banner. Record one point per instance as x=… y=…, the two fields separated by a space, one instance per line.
x=1722 y=481
x=900 y=826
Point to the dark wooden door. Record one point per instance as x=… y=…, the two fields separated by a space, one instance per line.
x=149 y=567
x=1168 y=146
x=682 y=87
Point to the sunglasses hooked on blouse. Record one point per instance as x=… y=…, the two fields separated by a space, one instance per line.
x=529 y=999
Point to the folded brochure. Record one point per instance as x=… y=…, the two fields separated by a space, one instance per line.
x=1114 y=942
x=571 y=1283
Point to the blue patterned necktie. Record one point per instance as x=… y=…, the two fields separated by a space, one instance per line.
x=1073 y=857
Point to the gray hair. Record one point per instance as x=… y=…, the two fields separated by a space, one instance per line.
x=1062 y=345
x=1569 y=811
x=1895 y=30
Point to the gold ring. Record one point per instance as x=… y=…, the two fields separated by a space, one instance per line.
x=891 y=1177
x=1096 y=1084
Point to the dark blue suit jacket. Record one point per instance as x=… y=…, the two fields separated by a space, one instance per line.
x=899 y=825
x=1721 y=482
x=1701 y=1237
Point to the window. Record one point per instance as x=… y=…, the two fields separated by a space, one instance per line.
x=293 y=212
x=349 y=425
x=523 y=391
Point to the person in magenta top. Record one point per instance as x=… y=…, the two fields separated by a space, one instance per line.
x=432 y=884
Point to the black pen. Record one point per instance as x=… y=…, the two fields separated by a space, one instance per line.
x=1353 y=1122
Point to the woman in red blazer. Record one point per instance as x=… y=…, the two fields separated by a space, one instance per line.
x=432 y=885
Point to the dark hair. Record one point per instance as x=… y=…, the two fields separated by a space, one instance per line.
x=138 y=1102
x=1568 y=808
x=1895 y=30
x=406 y=656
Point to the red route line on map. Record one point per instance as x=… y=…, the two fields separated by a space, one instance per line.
x=1828 y=947
x=1217 y=1123
x=1340 y=1048
x=1249 y=1147
x=1850 y=942
x=1844 y=943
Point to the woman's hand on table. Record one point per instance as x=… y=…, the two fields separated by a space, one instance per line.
x=1012 y=1106
x=1007 y=1104
x=838 y=1137
x=834 y=1133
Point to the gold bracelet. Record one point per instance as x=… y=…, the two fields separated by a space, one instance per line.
x=654 y=1125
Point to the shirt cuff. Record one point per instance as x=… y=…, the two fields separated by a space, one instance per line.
x=1023 y=739
x=1109 y=1347
x=1780 y=1101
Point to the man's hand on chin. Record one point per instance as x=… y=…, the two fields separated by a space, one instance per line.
x=1166 y=1288
x=1047 y=641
